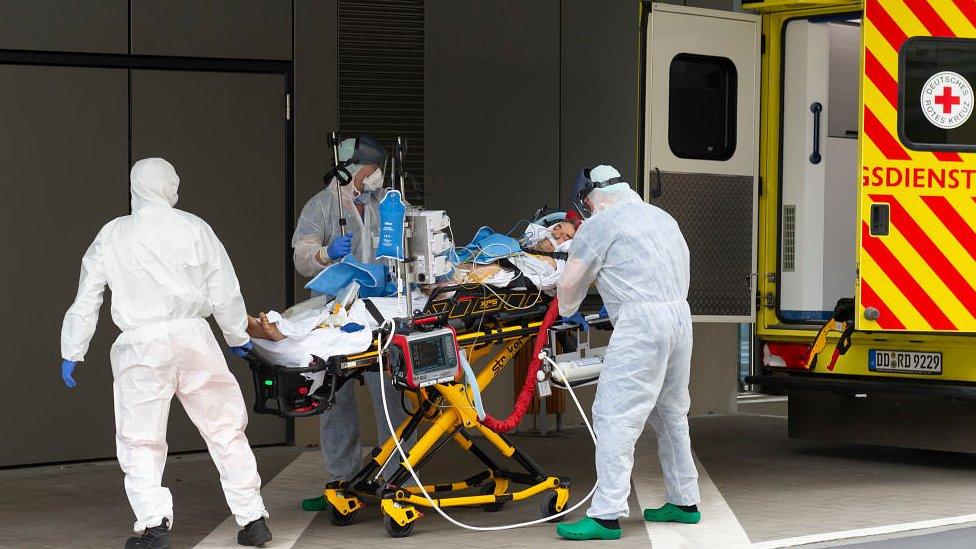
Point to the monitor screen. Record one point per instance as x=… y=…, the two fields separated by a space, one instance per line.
x=430 y=354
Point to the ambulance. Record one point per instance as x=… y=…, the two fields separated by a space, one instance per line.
x=820 y=157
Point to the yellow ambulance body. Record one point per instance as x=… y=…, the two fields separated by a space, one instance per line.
x=865 y=199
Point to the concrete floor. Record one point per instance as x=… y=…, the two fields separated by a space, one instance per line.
x=758 y=487
x=956 y=538
x=59 y=506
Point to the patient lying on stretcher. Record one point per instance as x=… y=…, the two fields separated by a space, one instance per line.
x=540 y=260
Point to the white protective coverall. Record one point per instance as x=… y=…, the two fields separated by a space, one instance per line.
x=639 y=259
x=168 y=272
x=317 y=226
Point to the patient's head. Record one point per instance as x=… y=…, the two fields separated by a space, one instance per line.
x=559 y=233
x=563 y=231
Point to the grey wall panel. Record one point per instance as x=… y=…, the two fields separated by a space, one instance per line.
x=492 y=110
x=316 y=99
x=715 y=216
x=599 y=88
x=226 y=135
x=93 y=26
x=249 y=29
x=64 y=174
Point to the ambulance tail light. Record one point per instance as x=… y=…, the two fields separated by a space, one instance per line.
x=792 y=356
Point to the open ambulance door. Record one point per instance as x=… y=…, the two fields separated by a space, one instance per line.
x=701 y=150
x=917 y=212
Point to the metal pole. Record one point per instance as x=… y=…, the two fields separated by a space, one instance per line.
x=334 y=142
x=396 y=178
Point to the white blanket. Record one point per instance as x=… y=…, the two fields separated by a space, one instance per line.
x=305 y=338
x=539 y=271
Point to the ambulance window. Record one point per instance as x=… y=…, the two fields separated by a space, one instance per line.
x=701 y=120
x=937 y=101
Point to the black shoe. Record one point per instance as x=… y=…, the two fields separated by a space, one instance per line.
x=255 y=534
x=156 y=537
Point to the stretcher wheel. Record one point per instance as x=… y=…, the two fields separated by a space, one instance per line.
x=548 y=507
x=395 y=530
x=486 y=489
x=338 y=519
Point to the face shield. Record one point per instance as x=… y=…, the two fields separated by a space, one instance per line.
x=589 y=179
x=353 y=155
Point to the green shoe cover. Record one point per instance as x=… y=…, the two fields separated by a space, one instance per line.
x=315 y=504
x=671 y=513
x=584 y=529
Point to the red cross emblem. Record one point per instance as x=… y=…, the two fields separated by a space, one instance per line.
x=947 y=100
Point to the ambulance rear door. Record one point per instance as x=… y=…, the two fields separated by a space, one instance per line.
x=700 y=147
x=917 y=200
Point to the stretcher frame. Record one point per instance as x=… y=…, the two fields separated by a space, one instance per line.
x=502 y=332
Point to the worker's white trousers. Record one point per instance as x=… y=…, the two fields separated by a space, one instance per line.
x=152 y=364
x=644 y=379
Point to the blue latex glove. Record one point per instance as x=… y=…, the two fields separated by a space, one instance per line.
x=603 y=312
x=340 y=247
x=352 y=327
x=242 y=350
x=577 y=318
x=67 y=371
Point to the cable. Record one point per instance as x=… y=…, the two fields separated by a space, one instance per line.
x=396 y=439
x=516 y=226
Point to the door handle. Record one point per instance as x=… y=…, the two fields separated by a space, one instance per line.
x=816 y=108
x=657 y=190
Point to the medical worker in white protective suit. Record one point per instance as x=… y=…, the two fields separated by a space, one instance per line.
x=318 y=243
x=168 y=272
x=639 y=260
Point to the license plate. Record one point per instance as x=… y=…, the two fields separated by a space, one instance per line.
x=905 y=362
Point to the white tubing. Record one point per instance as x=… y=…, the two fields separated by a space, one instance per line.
x=403 y=454
x=472 y=380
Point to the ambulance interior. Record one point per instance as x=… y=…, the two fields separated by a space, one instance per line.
x=821 y=83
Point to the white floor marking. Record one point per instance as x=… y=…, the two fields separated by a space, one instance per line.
x=718 y=528
x=282 y=497
x=865 y=532
x=761 y=400
x=750 y=414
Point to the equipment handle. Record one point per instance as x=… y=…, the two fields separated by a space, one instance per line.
x=342 y=175
x=658 y=188
x=816 y=108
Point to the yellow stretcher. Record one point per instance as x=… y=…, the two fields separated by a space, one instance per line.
x=449 y=412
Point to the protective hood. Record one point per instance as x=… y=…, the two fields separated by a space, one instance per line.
x=607 y=197
x=153 y=183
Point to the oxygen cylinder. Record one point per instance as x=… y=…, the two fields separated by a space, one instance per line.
x=583 y=369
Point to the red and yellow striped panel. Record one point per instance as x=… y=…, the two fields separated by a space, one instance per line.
x=921 y=277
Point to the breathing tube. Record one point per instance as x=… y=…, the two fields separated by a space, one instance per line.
x=528 y=387
x=472 y=380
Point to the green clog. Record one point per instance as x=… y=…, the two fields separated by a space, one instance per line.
x=585 y=529
x=315 y=504
x=671 y=513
